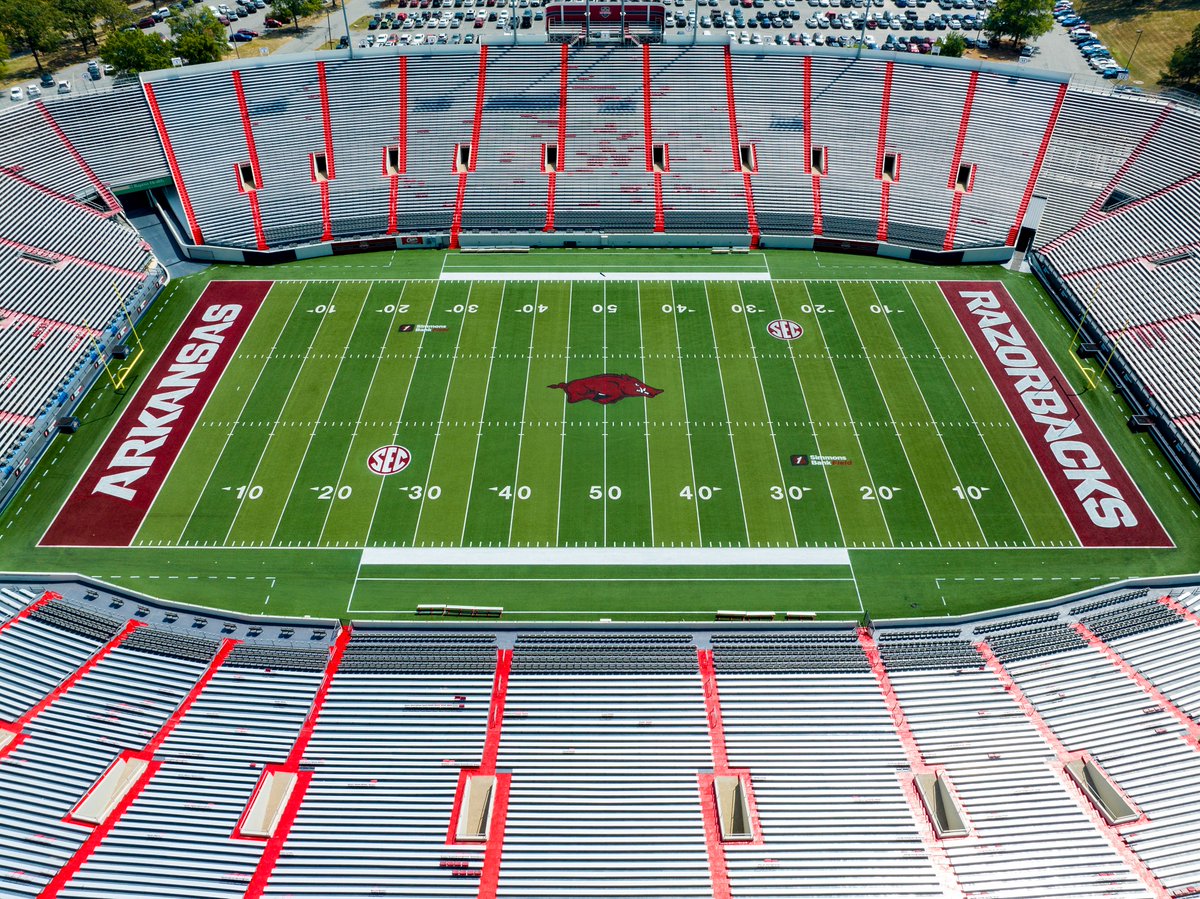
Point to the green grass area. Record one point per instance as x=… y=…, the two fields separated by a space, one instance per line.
x=883 y=376
x=1164 y=25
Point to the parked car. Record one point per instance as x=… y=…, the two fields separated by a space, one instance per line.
x=16 y=94
x=64 y=86
x=33 y=91
x=147 y=22
x=240 y=37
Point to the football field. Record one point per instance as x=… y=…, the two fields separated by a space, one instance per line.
x=906 y=442
x=605 y=434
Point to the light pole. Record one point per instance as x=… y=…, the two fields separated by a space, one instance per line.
x=1129 y=65
x=346 y=20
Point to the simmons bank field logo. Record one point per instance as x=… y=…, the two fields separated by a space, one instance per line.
x=604 y=389
x=389 y=459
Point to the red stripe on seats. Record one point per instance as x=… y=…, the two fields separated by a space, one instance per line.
x=818 y=219
x=76 y=260
x=75 y=676
x=99 y=832
x=880 y=149
x=736 y=145
x=1112 y=834
x=712 y=709
x=155 y=742
x=1093 y=214
x=491 y=746
x=489 y=880
x=1160 y=698
x=112 y=202
x=173 y=165
x=394 y=186
x=326 y=217
x=552 y=177
x=477 y=125
x=248 y=130
x=956 y=159
x=14 y=173
x=934 y=850
x=274 y=845
x=660 y=223
x=1037 y=165
x=296 y=756
x=1180 y=609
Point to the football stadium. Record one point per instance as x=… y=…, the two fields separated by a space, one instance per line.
x=600 y=467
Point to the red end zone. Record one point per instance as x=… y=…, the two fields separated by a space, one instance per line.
x=1099 y=498
x=114 y=495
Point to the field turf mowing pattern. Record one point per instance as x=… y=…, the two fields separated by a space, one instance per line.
x=883 y=376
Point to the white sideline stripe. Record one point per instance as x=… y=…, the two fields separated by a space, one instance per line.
x=603 y=555
x=605 y=276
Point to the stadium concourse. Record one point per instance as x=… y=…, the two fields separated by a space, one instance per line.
x=1049 y=750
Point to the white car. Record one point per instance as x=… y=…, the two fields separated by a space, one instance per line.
x=33 y=91
x=16 y=94
x=64 y=87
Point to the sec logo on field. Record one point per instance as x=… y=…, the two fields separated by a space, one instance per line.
x=784 y=329
x=389 y=459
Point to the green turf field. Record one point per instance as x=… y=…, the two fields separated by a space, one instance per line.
x=939 y=507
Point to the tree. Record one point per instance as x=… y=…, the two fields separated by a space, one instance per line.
x=31 y=25
x=1021 y=20
x=294 y=9
x=79 y=17
x=1184 y=68
x=3 y=55
x=199 y=37
x=953 y=44
x=137 y=51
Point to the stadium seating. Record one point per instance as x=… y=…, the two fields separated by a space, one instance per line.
x=71 y=266
x=602 y=740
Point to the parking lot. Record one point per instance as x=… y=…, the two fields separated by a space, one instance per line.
x=912 y=26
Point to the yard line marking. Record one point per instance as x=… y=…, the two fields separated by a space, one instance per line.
x=320 y=415
x=845 y=404
x=737 y=476
x=563 y=440
x=441 y=415
x=237 y=422
x=363 y=406
x=487 y=386
x=295 y=380
x=604 y=413
x=400 y=415
x=735 y=275
x=811 y=426
x=974 y=423
x=891 y=415
x=686 y=414
x=929 y=415
x=767 y=410
x=646 y=417
x=524 y=405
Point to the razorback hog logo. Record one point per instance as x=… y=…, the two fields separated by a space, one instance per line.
x=605 y=389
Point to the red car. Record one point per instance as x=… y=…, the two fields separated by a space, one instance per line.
x=147 y=22
x=273 y=23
